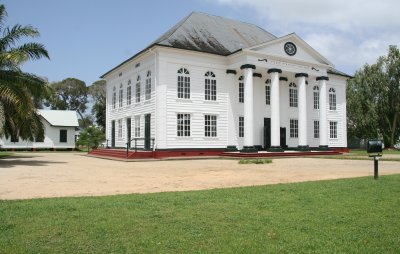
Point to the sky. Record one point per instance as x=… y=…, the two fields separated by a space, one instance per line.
x=86 y=38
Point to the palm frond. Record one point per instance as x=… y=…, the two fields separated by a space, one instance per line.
x=16 y=33
x=23 y=53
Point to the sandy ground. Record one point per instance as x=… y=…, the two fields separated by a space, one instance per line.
x=35 y=175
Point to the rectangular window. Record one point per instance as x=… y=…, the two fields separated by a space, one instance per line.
x=210 y=89
x=120 y=128
x=63 y=136
x=316 y=100
x=210 y=125
x=316 y=129
x=332 y=129
x=128 y=95
x=148 y=89
x=332 y=101
x=293 y=98
x=268 y=95
x=121 y=94
x=183 y=125
x=241 y=92
x=114 y=100
x=137 y=126
x=183 y=87
x=137 y=92
x=294 y=128
x=241 y=126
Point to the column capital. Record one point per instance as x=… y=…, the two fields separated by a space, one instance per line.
x=231 y=71
x=248 y=66
x=283 y=78
x=301 y=74
x=274 y=70
x=322 y=78
x=257 y=75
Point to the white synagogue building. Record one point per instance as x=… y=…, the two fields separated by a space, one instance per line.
x=212 y=83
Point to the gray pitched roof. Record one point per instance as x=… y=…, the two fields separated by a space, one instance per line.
x=213 y=34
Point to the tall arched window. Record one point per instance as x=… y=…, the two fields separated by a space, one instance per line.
x=128 y=93
x=183 y=84
x=148 y=85
x=114 y=98
x=241 y=89
x=268 y=92
x=292 y=95
x=316 y=97
x=137 y=90
x=332 y=99
x=210 y=89
x=121 y=94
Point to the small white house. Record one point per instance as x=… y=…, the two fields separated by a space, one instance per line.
x=217 y=83
x=59 y=132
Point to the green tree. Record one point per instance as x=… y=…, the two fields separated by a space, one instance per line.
x=98 y=93
x=20 y=92
x=91 y=137
x=70 y=94
x=373 y=100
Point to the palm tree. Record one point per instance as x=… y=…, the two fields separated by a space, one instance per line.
x=20 y=92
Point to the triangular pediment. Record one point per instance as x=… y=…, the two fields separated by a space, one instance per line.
x=283 y=48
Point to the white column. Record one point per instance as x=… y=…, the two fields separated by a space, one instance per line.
x=248 y=142
x=275 y=111
x=323 y=123
x=232 y=139
x=302 y=106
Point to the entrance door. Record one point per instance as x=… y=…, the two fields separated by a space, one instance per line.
x=283 y=138
x=267 y=133
x=128 y=131
x=147 y=133
x=112 y=133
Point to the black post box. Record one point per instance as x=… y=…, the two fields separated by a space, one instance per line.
x=374 y=146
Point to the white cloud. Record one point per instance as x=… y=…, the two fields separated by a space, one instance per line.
x=347 y=32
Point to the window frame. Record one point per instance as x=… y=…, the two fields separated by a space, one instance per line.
x=148 y=86
x=183 y=84
x=138 y=89
x=210 y=126
x=316 y=97
x=119 y=131
x=268 y=92
x=294 y=128
x=241 y=90
x=293 y=95
x=121 y=95
x=241 y=127
x=129 y=93
x=63 y=136
x=316 y=128
x=333 y=129
x=332 y=99
x=114 y=98
x=183 y=121
x=210 y=86
x=137 y=126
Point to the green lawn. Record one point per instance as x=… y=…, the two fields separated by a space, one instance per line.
x=342 y=216
x=5 y=154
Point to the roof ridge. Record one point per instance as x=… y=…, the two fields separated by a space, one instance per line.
x=172 y=30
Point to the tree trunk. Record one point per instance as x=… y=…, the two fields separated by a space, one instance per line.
x=394 y=126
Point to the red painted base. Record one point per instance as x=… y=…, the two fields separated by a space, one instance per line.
x=121 y=154
x=341 y=149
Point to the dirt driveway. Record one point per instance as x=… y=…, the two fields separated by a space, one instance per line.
x=34 y=175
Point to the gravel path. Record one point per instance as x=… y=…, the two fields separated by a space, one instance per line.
x=36 y=175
